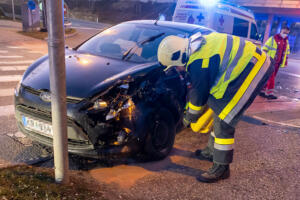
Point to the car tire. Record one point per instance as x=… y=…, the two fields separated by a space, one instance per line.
x=160 y=135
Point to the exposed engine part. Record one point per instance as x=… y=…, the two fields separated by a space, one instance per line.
x=121 y=137
x=124 y=86
x=128 y=104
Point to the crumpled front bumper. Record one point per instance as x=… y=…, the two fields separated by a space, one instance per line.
x=79 y=143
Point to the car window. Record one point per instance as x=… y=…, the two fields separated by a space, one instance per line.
x=240 y=27
x=254 y=34
x=121 y=39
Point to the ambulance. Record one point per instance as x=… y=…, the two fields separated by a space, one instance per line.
x=223 y=17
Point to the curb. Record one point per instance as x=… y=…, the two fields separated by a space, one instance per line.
x=66 y=36
x=71 y=35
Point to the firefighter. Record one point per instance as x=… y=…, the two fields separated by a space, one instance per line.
x=226 y=74
x=278 y=48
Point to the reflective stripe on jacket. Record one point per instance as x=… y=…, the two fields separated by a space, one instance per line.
x=220 y=61
x=271 y=48
x=235 y=54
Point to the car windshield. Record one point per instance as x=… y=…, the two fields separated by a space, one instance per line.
x=137 y=43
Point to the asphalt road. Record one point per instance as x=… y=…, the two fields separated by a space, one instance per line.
x=267 y=155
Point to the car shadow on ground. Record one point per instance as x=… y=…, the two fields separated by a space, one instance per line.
x=175 y=162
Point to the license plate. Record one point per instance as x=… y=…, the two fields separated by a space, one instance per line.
x=37 y=126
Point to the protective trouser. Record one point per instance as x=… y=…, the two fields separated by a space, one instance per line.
x=224 y=132
x=209 y=149
x=224 y=141
x=269 y=87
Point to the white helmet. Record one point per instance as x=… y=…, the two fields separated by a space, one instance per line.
x=173 y=51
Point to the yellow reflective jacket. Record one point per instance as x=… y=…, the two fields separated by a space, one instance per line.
x=224 y=72
x=271 y=48
x=235 y=53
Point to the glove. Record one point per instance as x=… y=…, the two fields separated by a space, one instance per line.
x=189 y=118
x=186 y=123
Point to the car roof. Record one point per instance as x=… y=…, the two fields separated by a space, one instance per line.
x=185 y=27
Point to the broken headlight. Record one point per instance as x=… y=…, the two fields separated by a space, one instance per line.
x=127 y=105
x=100 y=105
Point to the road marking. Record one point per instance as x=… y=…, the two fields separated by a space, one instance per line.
x=3 y=51
x=34 y=52
x=274 y=122
x=13 y=68
x=7 y=110
x=11 y=56
x=17 y=62
x=6 y=92
x=291 y=74
x=15 y=47
x=10 y=78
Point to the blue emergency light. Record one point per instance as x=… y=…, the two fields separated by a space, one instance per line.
x=209 y=3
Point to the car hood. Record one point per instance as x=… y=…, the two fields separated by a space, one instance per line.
x=86 y=74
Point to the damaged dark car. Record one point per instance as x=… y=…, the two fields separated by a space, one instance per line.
x=120 y=101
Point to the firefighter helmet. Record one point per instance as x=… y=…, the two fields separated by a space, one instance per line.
x=173 y=51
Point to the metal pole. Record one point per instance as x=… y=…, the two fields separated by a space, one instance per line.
x=31 y=17
x=268 y=28
x=13 y=9
x=56 y=48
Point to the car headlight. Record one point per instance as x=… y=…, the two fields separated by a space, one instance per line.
x=100 y=105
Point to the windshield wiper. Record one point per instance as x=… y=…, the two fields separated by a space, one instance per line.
x=138 y=44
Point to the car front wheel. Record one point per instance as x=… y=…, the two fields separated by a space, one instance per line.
x=160 y=134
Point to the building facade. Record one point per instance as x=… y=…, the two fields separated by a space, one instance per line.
x=272 y=15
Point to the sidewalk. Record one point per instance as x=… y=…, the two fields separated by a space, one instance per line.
x=295 y=56
x=9 y=35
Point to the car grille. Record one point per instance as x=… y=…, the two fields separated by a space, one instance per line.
x=72 y=100
x=46 y=115
x=40 y=113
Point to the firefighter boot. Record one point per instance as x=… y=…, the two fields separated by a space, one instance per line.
x=215 y=173
x=271 y=97
x=207 y=152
